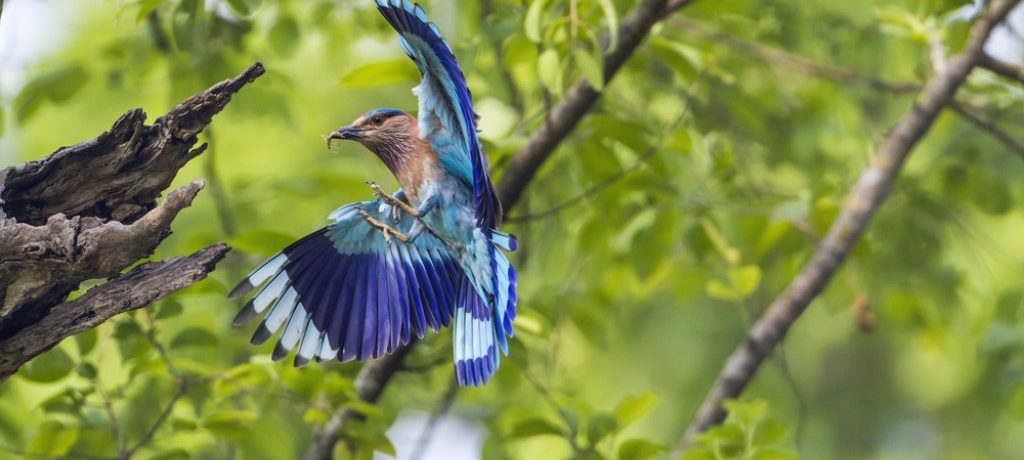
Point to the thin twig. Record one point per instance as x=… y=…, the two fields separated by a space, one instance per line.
x=989 y=127
x=221 y=202
x=864 y=200
x=423 y=442
x=370 y=384
x=159 y=347
x=786 y=59
x=578 y=100
x=115 y=432
x=1003 y=69
x=156 y=32
x=550 y=399
x=486 y=9
x=179 y=392
x=612 y=179
x=672 y=6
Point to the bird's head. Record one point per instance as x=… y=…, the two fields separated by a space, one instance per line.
x=380 y=130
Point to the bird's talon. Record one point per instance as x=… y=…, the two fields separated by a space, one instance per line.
x=386 y=229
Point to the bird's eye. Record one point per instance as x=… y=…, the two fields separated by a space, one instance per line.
x=377 y=120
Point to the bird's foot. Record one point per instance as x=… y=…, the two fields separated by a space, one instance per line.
x=392 y=200
x=386 y=229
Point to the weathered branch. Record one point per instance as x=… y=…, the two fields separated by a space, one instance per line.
x=140 y=287
x=523 y=166
x=88 y=212
x=128 y=166
x=865 y=198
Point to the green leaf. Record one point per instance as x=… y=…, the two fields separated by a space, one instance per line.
x=640 y=449
x=532 y=23
x=230 y=424
x=536 y=427
x=50 y=366
x=168 y=309
x=86 y=370
x=717 y=289
x=174 y=453
x=550 y=70
x=315 y=415
x=590 y=66
x=380 y=73
x=194 y=337
x=56 y=86
x=770 y=432
x=240 y=7
x=383 y=445
x=518 y=50
x=365 y=408
x=86 y=341
x=53 y=439
x=608 y=7
x=745 y=279
x=599 y=426
x=127 y=328
x=1016 y=405
x=284 y=35
x=634 y=407
x=146 y=7
x=773 y=454
x=730 y=254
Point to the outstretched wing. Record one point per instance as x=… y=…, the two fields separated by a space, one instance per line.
x=446 y=112
x=343 y=292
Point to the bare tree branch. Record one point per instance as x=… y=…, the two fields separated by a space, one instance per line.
x=989 y=127
x=88 y=212
x=865 y=198
x=140 y=287
x=1003 y=69
x=423 y=442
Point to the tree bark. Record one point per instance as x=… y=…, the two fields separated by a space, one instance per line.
x=88 y=212
x=865 y=198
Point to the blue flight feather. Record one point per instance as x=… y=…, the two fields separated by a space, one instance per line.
x=444 y=93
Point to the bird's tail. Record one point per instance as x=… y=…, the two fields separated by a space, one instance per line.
x=486 y=307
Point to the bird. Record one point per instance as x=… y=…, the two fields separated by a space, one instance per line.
x=428 y=256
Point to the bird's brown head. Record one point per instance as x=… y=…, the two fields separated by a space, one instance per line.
x=382 y=131
x=393 y=136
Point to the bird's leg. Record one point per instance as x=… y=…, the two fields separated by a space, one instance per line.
x=392 y=200
x=384 y=228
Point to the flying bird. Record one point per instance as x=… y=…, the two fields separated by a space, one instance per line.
x=386 y=270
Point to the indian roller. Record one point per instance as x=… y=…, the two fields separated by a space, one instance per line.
x=386 y=270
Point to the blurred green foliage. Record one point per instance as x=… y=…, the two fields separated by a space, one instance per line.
x=631 y=299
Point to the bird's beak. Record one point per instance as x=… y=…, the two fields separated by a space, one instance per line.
x=346 y=133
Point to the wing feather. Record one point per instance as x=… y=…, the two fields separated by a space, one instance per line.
x=343 y=292
x=446 y=115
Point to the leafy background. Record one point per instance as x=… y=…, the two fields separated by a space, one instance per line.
x=717 y=165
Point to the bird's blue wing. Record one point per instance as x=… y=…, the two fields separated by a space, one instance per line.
x=446 y=112
x=343 y=292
